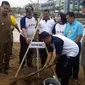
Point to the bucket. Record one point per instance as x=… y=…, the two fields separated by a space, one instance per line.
x=51 y=81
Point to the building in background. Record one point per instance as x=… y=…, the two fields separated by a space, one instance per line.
x=76 y=6
x=62 y=5
x=54 y=6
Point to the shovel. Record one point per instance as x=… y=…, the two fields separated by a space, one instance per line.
x=32 y=74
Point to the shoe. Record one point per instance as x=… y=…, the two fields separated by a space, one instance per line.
x=71 y=78
x=75 y=80
x=5 y=72
x=7 y=68
x=29 y=65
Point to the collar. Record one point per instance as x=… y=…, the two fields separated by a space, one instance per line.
x=45 y=19
x=73 y=22
x=28 y=17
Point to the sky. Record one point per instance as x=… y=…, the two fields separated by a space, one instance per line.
x=21 y=3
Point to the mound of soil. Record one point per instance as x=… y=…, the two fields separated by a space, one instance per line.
x=28 y=81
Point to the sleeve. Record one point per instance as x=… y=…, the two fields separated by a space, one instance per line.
x=80 y=29
x=22 y=23
x=13 y=20
x=58 y=46
x=53 y=30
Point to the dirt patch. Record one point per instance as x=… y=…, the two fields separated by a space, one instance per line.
x=6 y=79
x=28 y=81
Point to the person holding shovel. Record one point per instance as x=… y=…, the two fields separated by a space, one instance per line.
x=64 y=49
x=28 y=24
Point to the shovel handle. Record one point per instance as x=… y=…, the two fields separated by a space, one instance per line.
x=31 y=74
x=39 y=70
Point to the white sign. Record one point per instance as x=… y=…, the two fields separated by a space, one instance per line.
x=37 y=45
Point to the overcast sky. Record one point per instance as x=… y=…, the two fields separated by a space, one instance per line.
x=21 y=3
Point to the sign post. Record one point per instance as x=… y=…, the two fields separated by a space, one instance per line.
x=37 y=45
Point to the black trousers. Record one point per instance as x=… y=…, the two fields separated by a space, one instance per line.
x=75 y=64
x=23 y=48
x=4 y=55
x=63 y=69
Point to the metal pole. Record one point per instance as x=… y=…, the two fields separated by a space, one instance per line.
x=38 y=51
x=67 y=5
x=38 y=61
x=54 y=5
x=59 y=5
x=73 y=2
x=78 y=6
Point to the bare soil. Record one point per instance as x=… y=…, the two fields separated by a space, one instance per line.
x=33 y=80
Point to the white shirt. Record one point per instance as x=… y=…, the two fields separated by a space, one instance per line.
x=70 y=48
x=30 y=27
x=46 y=26
x=60 y=29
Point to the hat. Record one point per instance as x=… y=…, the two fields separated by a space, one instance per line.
x=44 y=35
x=29 y=8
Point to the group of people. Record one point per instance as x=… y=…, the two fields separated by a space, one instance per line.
x=62 y=39
x=65 y=44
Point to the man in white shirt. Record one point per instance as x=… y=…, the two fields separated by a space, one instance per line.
x=64 y=49
x=28 y=24
x=46 y=24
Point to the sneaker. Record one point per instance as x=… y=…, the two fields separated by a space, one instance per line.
x=7 y=68
x=5 y=72
x=71 y=78
x=75 y=80
x=55 y=77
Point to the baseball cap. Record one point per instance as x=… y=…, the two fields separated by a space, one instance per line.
x=44 y=35
x=29 y=8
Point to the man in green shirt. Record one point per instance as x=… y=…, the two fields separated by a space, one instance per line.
x=5 y=37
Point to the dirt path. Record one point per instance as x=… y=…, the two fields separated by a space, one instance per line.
x=6 y=79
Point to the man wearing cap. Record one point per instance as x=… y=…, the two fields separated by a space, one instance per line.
x=64 y=49
x=27 y=24
x=46 y=24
